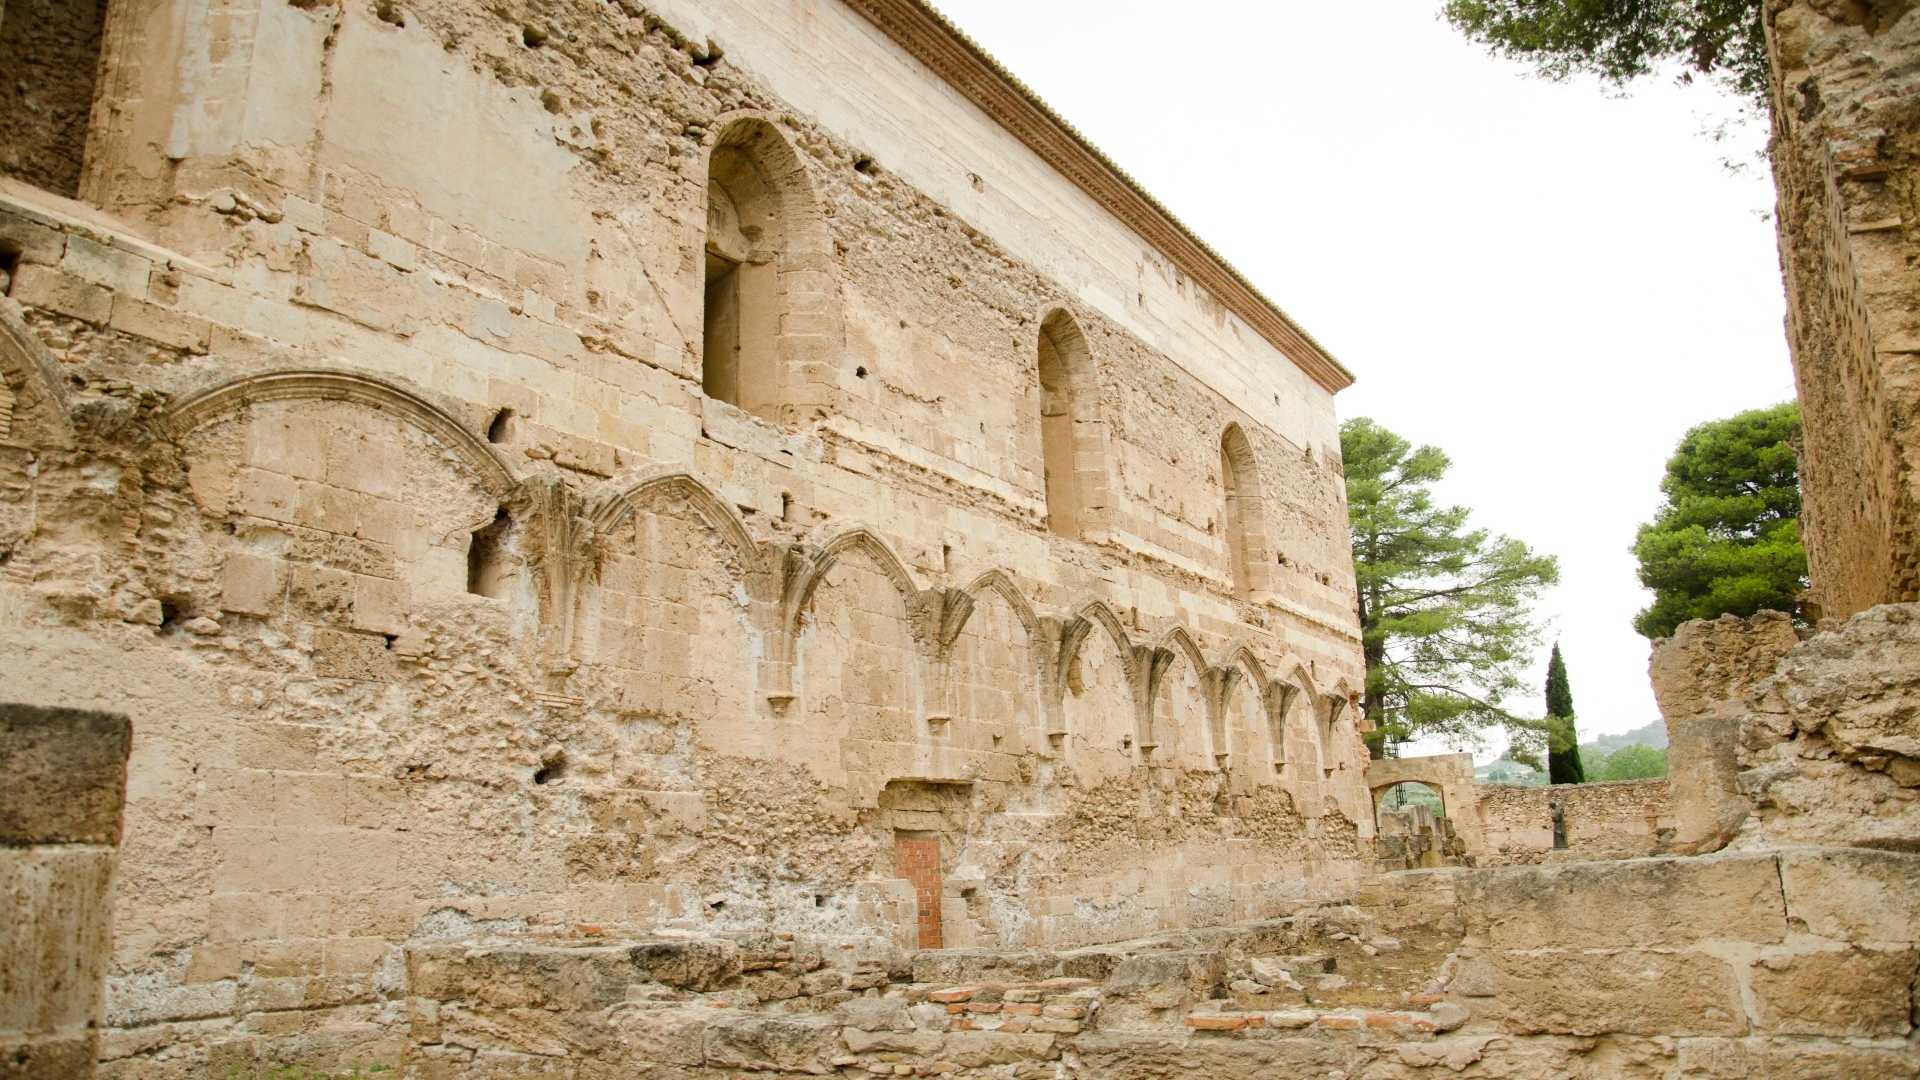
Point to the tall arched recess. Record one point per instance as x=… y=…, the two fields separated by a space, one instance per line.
x=1246 y=515
x=1070 y=435
x=768 y=305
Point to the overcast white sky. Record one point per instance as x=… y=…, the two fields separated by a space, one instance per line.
x=1550 y=284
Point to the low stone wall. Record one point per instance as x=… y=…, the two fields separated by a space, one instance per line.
x=1620 y=819
x=60 y=804
x=1745 y=965
x=1794 y=963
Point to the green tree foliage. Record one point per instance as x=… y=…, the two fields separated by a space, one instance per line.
x=1727 y=538
x=1563 y=742
x=1622 y=40
x=1445 y=610
x=1630 y=763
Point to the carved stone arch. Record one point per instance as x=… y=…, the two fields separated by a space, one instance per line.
x=1001 y=582
x=1250 y=552
x=326 y=384
x=863 y=539
x=1159 y=660
x=1072 y=432
x=956 y=610
x=33 y=393
x=1240 y=671
x=1074 y=632
x=617 y=505
x=1306 y=695
x=771 y=321
x=618 y=500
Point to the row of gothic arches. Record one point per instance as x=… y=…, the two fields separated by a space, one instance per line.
x=768 y=308
x=1169 y=702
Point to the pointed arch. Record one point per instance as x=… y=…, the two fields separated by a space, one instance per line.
x=1177 y=639
x=627 y=496
x=1084 y=618
x=1242 y=657
x=1244 y=513
x=767 y=269
x=863 y=539
x=195 y=410
x=32 y=390
x=1072 y=438
x=999 y=581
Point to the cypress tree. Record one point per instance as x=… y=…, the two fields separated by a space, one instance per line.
x=1563 y=742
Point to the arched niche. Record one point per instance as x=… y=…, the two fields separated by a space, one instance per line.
x=348 y=500
x=1179 y=726
x=995 y=686
x=1245 y=515
x=668 y=627
x=860 y=720
x=1096 y=684
x=770 y=318
x=1072 y=436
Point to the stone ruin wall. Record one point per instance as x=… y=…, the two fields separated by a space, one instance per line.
x=60 y=819
x=1620 y=819
x=1846 y=138
x=379 y=491
x=50 y=51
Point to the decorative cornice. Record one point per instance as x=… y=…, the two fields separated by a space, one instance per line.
x=922 y=31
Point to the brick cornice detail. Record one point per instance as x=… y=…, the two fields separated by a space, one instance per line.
x=930 y=38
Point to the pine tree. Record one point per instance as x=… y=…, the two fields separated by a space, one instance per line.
x=1563 y=742
x=1446 y=609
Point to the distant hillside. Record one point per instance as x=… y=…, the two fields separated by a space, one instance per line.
x=1653 y=734
x=1505 y=770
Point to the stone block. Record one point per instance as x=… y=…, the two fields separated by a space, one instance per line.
x=164 y=325
x=45 y=287
x=664 y=1036
x=1801 y=1059
x=121 y=271
x=53 y=940
x=1630 y=991
x=66 y=775
x=1850 y=992
x=766 y=1043
x=1196 y=971
x=1699 y=675
x=49 y=1057
x=1631 y=902
x=1854 y=895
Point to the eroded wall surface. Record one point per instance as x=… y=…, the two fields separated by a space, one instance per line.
x=357 y=449
x=1846 y=115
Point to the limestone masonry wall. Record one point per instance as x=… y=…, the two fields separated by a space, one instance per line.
x=534 y=467
x=1615 y=820
x=1846 y=116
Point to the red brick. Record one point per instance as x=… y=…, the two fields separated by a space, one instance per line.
x=1217 y=1022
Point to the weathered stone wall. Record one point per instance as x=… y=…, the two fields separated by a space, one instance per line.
x=50 y=52
x=1777 y=741
x=1800 y=963
x=60 y=816
x=387 y=497
x=1829 y=746
x=1846 y=141
x=1700 y=677
x=1620 y=819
